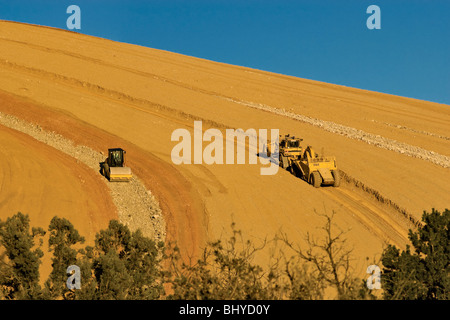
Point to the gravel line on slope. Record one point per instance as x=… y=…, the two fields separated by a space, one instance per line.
x=136 y=206
x=397 y=126
x=352 y=133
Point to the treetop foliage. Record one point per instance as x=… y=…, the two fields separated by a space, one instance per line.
x=127 y=265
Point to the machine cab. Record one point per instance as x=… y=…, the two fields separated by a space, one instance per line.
x=116 y=157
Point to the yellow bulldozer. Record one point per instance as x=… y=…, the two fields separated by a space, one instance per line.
x=114 y=168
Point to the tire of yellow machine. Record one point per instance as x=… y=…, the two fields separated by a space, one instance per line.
x=337 y=178
x=316 y=179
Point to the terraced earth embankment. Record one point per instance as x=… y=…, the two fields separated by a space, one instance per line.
x=99 y=94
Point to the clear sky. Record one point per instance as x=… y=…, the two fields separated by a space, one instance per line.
x=324 y=40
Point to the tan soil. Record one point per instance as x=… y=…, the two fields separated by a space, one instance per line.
x=99 y=93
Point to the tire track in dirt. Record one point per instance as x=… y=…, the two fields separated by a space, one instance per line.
x=374 y=219
x=380 y=199
x=368 y=210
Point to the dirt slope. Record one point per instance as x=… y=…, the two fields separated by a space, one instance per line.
x=43 y=183
x=100 y=93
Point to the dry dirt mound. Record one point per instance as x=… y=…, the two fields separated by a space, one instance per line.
x=97 y=93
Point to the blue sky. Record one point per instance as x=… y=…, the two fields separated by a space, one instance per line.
x=324 y=40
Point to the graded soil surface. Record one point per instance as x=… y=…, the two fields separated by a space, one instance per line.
x=393 y=151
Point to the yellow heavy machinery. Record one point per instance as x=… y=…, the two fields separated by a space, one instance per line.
x=307 y=164
x=114 y=168
x=316 y=170
x=289 y=149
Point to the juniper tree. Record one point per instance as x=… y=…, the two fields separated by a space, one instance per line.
x=19 y=275
x=124 y=264
x=63 y=236
x=421 y=272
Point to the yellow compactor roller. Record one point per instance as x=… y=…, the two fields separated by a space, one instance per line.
x=114 y=168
